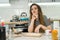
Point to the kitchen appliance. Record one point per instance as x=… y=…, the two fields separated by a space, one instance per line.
x=15 y=18
x=2 y=33
x=23 y=17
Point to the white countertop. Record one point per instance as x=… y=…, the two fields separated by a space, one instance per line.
x=24 y=37
x=33 y=38
x=43 y=37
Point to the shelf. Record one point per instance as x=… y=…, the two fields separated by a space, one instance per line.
x=15 y=22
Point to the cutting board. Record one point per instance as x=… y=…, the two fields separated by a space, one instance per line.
x=32 y=34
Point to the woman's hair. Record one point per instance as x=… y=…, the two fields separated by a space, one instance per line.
x=40 y=15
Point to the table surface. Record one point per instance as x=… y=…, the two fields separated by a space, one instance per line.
x=43 y=37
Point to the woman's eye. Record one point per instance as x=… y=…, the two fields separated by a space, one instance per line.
x=35 y=8
x=31 y=9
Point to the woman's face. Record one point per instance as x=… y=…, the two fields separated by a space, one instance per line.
x=34 y=10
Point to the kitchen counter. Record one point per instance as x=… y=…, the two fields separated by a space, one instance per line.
x=42 y=37
x=33 y=38
x=21 y=22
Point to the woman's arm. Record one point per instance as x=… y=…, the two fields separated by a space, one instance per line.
x=40 y=26
x=43 y=27
x=30 y=28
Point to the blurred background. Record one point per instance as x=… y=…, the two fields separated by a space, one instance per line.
x=15 y=9
x=18 y=6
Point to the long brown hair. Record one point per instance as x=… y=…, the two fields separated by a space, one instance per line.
x=40 y=14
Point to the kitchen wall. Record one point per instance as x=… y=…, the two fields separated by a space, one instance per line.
x=52 y=11
x=18 y=6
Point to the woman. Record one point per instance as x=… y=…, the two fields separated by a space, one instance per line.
x=37 y=21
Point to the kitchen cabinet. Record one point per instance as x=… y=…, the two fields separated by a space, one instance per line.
x=34 y=1
x=57 y=0
x=4 y=1
x=45 y=0
x=39 y=1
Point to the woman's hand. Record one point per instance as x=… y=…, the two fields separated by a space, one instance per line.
x=34 y=17
x=37 y=28
x=40 y=26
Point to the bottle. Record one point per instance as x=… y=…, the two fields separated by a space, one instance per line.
x=10 y=35
x=55 y=34
x=55 y=29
